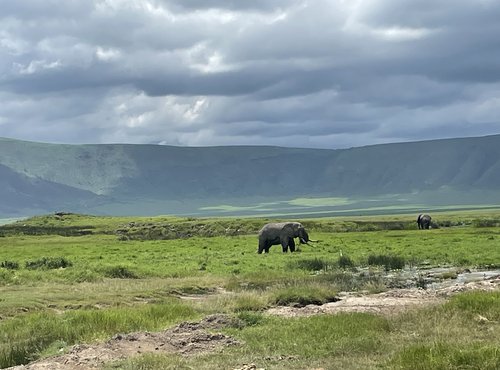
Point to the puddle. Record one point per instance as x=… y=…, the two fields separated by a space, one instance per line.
x=435 y=277
x=477 y=276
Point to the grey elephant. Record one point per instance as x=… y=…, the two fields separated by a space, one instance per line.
x=283 y=233
x=424 y=221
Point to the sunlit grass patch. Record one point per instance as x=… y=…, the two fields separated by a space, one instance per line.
x=316 y=336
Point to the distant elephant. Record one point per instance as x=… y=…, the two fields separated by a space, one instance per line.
x=424 y=221
x=283 y=233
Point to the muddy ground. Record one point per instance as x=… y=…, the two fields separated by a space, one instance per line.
x=194 y=338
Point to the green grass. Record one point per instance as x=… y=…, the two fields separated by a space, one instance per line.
x=102 y=283
x=26 y=336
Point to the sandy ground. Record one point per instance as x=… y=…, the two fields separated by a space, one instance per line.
x=191 y=338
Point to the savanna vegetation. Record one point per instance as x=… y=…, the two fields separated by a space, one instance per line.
x=67 y=279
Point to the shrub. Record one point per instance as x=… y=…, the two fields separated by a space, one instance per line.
x=48 y=263
x=10 y=265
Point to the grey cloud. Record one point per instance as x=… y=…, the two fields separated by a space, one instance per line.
x=255 y=5
x=192 y=72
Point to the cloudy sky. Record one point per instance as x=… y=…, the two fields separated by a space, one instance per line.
x=303 y=73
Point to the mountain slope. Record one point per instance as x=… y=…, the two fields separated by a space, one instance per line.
x=43 y=176
x=21 y=195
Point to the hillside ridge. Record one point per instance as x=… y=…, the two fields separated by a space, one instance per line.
x=113 y=175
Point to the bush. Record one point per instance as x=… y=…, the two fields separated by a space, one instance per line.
x=389 y=262
x=48 y=263
x=10 y=265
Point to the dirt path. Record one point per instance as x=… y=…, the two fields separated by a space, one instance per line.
x=194 y=338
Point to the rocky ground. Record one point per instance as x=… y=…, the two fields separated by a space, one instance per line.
x=191 y=338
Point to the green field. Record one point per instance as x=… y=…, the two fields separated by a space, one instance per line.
x=79 y=279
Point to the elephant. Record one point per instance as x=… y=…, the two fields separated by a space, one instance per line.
x=424 y=221
x=283 y=233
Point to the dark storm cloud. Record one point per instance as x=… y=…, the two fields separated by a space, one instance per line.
x=324 y=73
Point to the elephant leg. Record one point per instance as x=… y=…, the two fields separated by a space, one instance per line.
x=284 y=245
x=261 y=248
x=291 y=244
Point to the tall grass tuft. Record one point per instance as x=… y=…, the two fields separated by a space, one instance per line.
x=9 y=265
x=345 y=262
x=313 y=264
x=389 y=262
x=302 y=295
x=120 y=272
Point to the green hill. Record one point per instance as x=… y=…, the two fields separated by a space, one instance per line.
x=152 y=179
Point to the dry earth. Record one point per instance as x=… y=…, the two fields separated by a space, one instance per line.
x=196 y=338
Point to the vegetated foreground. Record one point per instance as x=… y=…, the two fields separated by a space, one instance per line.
x=83 y=292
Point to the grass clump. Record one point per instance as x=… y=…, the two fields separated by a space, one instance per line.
x=313 y=264
x=302 y=295
x=249 y=302
x=9 y=265
x=389 y=262
x=120 y=272
x=250 y=318
x=345 y=262
x=48 y=263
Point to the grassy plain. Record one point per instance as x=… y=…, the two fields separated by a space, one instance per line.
x=125 y=274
